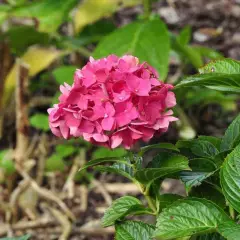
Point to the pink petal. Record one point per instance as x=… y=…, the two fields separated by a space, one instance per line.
x=64 y=130
x=170 y=100
x=107 y=123
x=100 y=137
x=109 y=109
x=116 y=140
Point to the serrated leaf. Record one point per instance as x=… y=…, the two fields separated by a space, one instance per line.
x=25 y=237
x=213 y=140
x=104 y=8
x=231 y=137
x=95 y=162
x=64 y=74
x=40 y=121
x=217 y=81
x=167 y=166
x=209 y=236
x=119 y=209
x=230 y=178
x=45 y=12
x=226 y=65
x=134 y=230
x=188 y=217
x=201 y=169
x=135 y=39
x=168 y=146
x=230 y=230
x=38 y=58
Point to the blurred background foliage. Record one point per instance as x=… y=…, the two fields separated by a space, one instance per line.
x=55 y=37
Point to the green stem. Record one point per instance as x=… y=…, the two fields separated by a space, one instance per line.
x=147 y=8
x=151 y=204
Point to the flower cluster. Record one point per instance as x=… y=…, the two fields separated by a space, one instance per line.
x=113 y=101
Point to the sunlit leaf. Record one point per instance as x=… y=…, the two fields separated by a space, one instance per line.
x=40 y=121
x=64 y=74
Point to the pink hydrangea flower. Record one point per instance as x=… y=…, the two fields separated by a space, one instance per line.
x=113 y=101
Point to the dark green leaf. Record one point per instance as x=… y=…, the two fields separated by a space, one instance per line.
x=230 y=178
x=230 y=230
x=147 y=40
x=133 y=230
x=226 y=65
x=105 y=152
x=64 y=74
x=209 y=236
x=166 y=166
x=210 y=192
x=213 y=140
x=40 y=121
x=119 y=209
x=217 y=81
x=188 y=217
x=168 y=146
x=95 y=162
x=232 y=135
x=167 y=199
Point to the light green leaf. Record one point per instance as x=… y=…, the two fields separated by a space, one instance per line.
x=188 y=217
x=230 y=230
x=217 y=81
x=26 y=237
x=232 y=135
x=174 y=163
x=64 y=74
x=167 y=199
x=7 y=162
x=119 y=209
x=102 y=152
x=49 y=13
x=230 y=178
x=40 y=121
x=95 y=162
x=147 y=40
x=168 y=146
x=55 y=163
x=185 y=36
x=134 y=230
x=226 y=65
x=208 y=52
x=65 y=150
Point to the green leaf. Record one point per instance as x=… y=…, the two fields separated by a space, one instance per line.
x=230 y=230
x=188 y=217
x=168 y=146
x=213 y=140
x=122 y=168
x=210 y=192
x=204 y=148
x=134 y=230
x=226 y=65
x=209 y=236
x=217 y=81
x=208 y=52
x=49 y=13
x=166 y=166
x=147 y=40
x=119 y=209
x=232 y=135
x=25 y=237
x=185 y=36
x=202 y=168
x=55 y=163
x=167 y=199
x=7 y=162
x=95 y=162
x=230 y=178
x=40 y=121
x=102 y=152
x=64 y=74
x=65 y=150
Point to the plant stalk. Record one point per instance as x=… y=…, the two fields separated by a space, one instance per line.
x=232 y=212
x=147 y=8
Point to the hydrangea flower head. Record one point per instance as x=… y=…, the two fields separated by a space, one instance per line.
x=113 y=101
